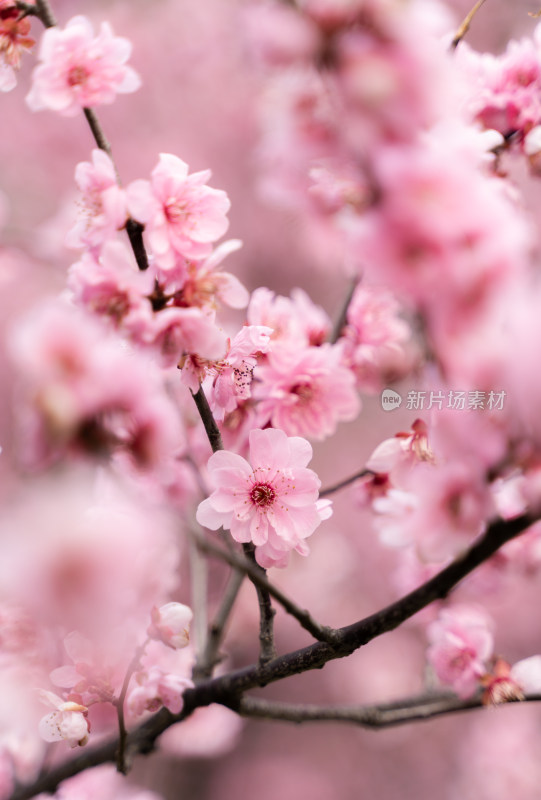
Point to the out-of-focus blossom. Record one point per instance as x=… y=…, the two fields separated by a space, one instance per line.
x=505 y=683
x=68 y=722
x=80 y=70
x=208 y=732
x=111 y=285
x=294 y=318
x=155 y=689
x=271 y=501
x=374 y=337
x=103 y=782
x=103 y=205
x=202 y=284
x=14 y=39
x=461 y=643
x=306 y=391
x=408 y=447
x=86 y=392
x=171 y=625
x=181 y=214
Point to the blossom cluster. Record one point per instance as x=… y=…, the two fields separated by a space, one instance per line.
x=393 y=158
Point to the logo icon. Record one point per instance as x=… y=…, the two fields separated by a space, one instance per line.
x=390 y=400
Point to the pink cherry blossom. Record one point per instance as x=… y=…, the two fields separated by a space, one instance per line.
x=111 y=285
x=202 y=284
x=14 y=39
x=294 y=318
x=171 y=625
x=182 y=216
x=271 y=501
x=306 y=391
x=103 y=203
x=374 y=336
x=86 y=392
x=68 y=722
x=234 y=379
x=461 y=643
x=408 y=447
x=155 y=689
x=80 y=70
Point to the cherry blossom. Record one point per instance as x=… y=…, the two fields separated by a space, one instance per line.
x=233 y=382
x=80 y=70
x=182 y=216
x=461 y=643
x=294 y=318
x=171 y=625
x=306 y=391
x=14 y=39
x=155 y=689
x=103 y=202
x=271 y=501
x=68 y=722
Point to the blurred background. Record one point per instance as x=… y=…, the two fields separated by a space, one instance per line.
x=198 y=101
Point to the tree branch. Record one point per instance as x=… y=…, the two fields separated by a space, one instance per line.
x=343 y=315
x=384 y=715
x=346 y=482
x=227 y=689
x=465 y=25
x=304 y=618
x=210 y=656
x=211 y=428
x=45 y=13
x=267 y=649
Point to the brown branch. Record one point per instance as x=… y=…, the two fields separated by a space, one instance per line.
x=383 y=715
x=135 y=663
x=213 y=433
x=267 y=649
x=465 y=25
x=343 y=315
x=210 y=655
x=45 y=13
x=227 y=689
x=304 y=618
x=346 y=482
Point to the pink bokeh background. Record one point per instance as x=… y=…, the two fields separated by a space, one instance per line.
x=198 y=101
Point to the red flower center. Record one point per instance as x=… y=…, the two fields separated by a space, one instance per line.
x=262 y=494
x=77 y=76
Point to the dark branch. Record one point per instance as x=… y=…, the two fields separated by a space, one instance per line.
x=267 y=650
x=210 y=656
x=211 y=428
x=304 y=618
x=45 y=13
x=384 y=715
x=227 y=689
x=343 y=315
x=346 y=482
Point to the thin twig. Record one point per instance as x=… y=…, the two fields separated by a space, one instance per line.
x=98 y=133
x=384 y=715
x=199 y=586
x=45 y=13
x=26 y=9
x=346 y=482
x=210 y=657
x=213 y=433
x=134 y=664
x=319 y=632
x=343 y=316
x=267 y=649
x=227 y=689
x=465 y=25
